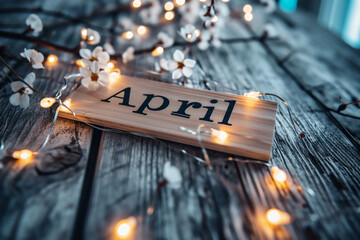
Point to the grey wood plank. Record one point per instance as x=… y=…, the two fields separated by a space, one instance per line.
x=230 y=202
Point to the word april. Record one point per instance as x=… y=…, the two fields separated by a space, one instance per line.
x=155 y=103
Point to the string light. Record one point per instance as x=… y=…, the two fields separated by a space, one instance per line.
x=25 y=156
x=128 y=35
x=51 y=60
x=179 y=2
x=226 y=1
x=141 y=30
x=157 y=51
x=79 y=63
x=124 y=229
x=253 y=94
x=248 y=16
x=220 y=136
x=247 y=8
x=278 y=174
x=169 y=15
x=47 y=102
x=136 y=3
x=188 y=35
x=168 y=6
x=67 y=103
x=84 y=33
x=276 y=217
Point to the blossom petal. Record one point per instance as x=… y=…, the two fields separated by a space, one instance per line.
x=25 y=101
x=38 y=66
x=85 y=53
x=39 y=58
x=15 y=99
x=177 y=74
x=189 y=63
x=17 y=85
x=165 y=64
x=97 y=51
x=187 y=71
x=86 y=63
x=95 y=67
x=86 y=81
x=93 y=86
x=103 y=78
x=172 y=65
x=85 y=72
x=103 y=58
x=179 y=56
x=30 y=78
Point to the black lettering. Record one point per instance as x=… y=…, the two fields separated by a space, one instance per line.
x=184 y=106
x=146 y=102
x=126 y=97
x=209 y=111
x=228 y=112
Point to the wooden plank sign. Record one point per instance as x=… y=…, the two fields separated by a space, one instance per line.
x=232 y=124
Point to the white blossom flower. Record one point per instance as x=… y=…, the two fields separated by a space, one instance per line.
x=93 y=77
x=97 y=54
x=109 y=48
x=128 y=55
x=34 y=23
x=34 y=57
x=270 y=5
x=181 y=66
x=206 y=38
x=20 y=97
x=91 y=36
x=164 y=40
x=172 y=176
x=188 y=33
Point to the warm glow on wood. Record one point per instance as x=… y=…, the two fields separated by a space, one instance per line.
x=51 y=60
x=128 y=35
x=248 y=17
x=169 y=15
x=24 y=156
x=141 y=30
x=136 y=3
x=278 y=174
x=220 y=136
x=67 y=103
x=47 y=102
x=125 y=228
x=157 y=51
x=276 y=217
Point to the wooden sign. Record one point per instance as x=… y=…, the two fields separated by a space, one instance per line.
x=231 y=123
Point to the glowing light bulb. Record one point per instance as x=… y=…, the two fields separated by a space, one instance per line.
x=51 y=60
x=136 y=3
x=220 y=136
x=179 y=2
x=79 y=63
x=252 y=94
x=109 y=66
x=247 y=8
x=114 y=76
x=202 y=0
x=188 y=35
x=168 y=6
x=197 y=32
x=276 y=217
x=248 y=17
x=124 y=229
x=141 y=30
x=169 y=15
x=84 y=33
x=24 y=156
x=157 y=51
x=278 y=174
x=215 y=19
x=128 y=35
x=67 y=103
x=47 y=102
x=226 y=1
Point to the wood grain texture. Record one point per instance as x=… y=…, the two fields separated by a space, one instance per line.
x=229 y=202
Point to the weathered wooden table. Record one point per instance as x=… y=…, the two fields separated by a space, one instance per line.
x=118 y=173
